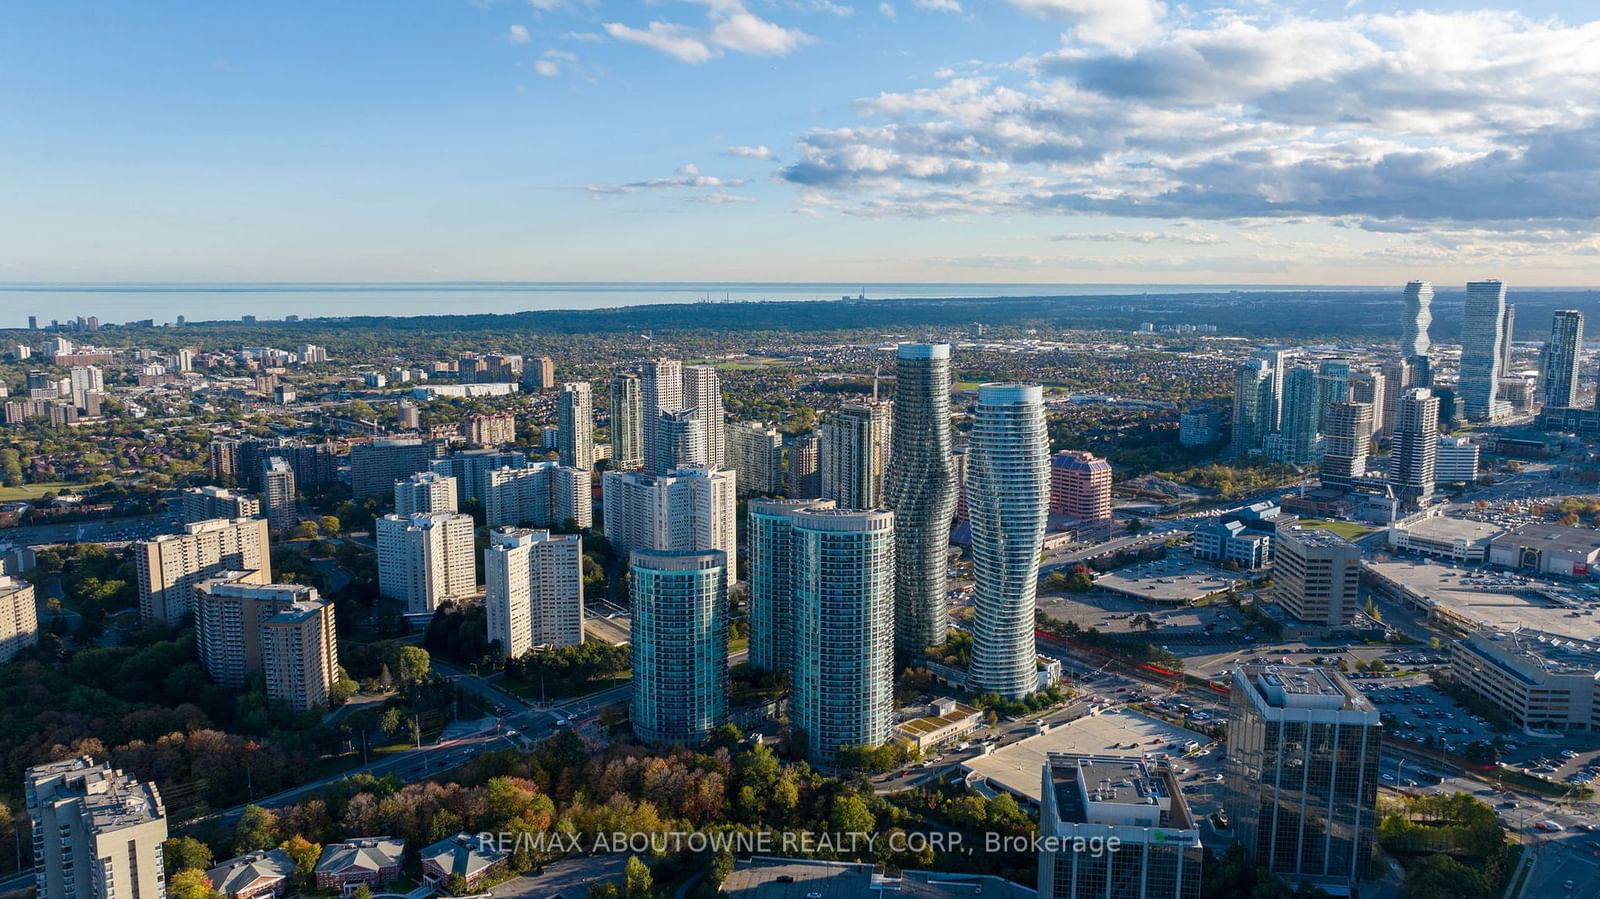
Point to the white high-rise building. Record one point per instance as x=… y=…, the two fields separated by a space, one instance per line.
x=689 y=509
x=278 y=493
x=755 y=451
x=661 y=391
x=1414 y=446
x=681 y=440
x=426 y=559
x=702 y=392
x=575 y=419
x=1008 y=502
x=1347 y=439
x=284 y=631
x=921 y=490
x=169 y=566
x=208 y=502
x=1456 y=460
x=97 y=832
x=1561 y=357
x=843 y=675
x=1415 y=316
x=19 y=617
x=425 y=491
x=544 y=494
x=627 y=411
x=1369 y=387
x=533 y=589
x=85 y=379
x=1482 y=344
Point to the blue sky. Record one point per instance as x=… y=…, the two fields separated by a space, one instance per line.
x=1009 y=140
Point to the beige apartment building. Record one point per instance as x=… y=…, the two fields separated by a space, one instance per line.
x=171 y=565
x=97 y=832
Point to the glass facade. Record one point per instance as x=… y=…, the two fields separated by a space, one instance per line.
x=1008 y=502
x=1415 y=318
x=771 y=581
x=1482 y=333
x=680 y=645
x=921 y=490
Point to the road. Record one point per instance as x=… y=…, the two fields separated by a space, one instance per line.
x=569 y=878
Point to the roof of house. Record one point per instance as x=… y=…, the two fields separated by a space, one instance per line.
x=361 y=854
x=461 y=854
x=239 y=874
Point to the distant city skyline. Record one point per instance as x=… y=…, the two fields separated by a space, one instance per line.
x=1038 y=140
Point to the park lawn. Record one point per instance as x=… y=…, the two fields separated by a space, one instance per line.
x=32 y=491
x=1349 y=530
x=738 y=644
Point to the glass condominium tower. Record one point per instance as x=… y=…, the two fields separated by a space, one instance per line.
x=921 y=490
x=1253 y=400
x=1482 y=333
x=680 y=645
x=771 y=562
x=1561 y=357
x=843 y=675
x=627 y=437
x=1415 y=319
x=1008 y=500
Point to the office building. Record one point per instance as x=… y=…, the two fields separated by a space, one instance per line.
x=1226 y=542
x=1482 y=337
x=1008 y=501
x=426 y=491
x=424 y=560
x=702 y=393
x=1414 y=447
x=1302 y=774
x=575 y=419
x=1561 y=358
x=375 y=466
x=680 y=644
x=921 y=491
x=1415 y=316
x=1316 y=575
x=688 y=509
x=543 y=494
x=852 y=454
x=533 y=589
x=1539 y=681
x=842 y=681
x=490 y=429
x=471 y=468
x=19 y=617
x=1199 y=427
x=284 y=631
x=1302 y=416
x=1367 y=386
x=627 y=411
x=1136 y=800
x=206 y=503
x=802 y=473
x=1347 y=440
x=681 y=440
x=169 y=566
x=772 y=572
x=278 y=494
x=1455 y=460
x=97 y=832
x=755 y=452
x=1254 y=403
x=1080 y=486
x=661 y=392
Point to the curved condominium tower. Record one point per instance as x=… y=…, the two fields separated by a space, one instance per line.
x=1008 y=500
x=680 y=645
x=1415 y=319
x=922 y=493
x=1482 y=338
x=843 y=677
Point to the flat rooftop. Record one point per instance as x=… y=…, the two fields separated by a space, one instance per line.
x=1543 y=652
x=1579 y=541
x=1019 y=768
x=767 y=877
x=1479 y=598
x=1175 y=579
x=1314 y=536
x=1446 y=528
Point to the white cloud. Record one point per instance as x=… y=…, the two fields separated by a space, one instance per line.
x=550 y=62
x=757 y=152
x=1113 y=23
x=824 y=6
x=676 y=41
x=688 y=176
x=729 y=26
x=886 y=10
x=519 y=35
x=1198 y=238
x=939 y=5
x=1398 y=120
x=585 y=37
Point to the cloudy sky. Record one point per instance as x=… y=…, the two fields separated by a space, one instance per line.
x=1091 y=141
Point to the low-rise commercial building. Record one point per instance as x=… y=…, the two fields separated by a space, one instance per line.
x=1548 y=549
x=1541 y=682
x=1444 y=537
x=364 y=860
x=945 y=722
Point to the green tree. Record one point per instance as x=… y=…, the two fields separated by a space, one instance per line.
x=180 y=853
x=305 y=854
x=361 y=892
x=10 y=468
x=1442 y=877
x=850 y=815
x=191 y=883
x=413 y=664
x=636 y=880
x=258 y=829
